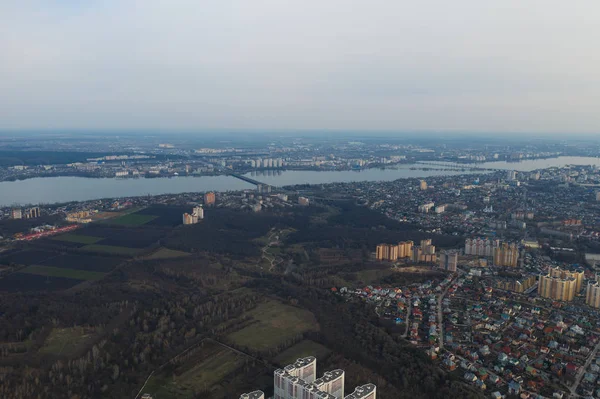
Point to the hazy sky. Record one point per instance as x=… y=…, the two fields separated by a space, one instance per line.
x=476 y=65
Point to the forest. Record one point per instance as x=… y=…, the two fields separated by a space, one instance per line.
x=178 y=318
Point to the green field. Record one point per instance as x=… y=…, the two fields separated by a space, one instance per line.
x=132 y=219
x=80 y=239
x=165 y=253
x=66 y=341
x=275 y=324
x=61 y=272
x=202 y=376
x=302 y=349
x=112 y=249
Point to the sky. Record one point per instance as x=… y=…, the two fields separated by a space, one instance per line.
x=373 y=65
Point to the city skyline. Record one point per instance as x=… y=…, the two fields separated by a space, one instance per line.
x=434 y=67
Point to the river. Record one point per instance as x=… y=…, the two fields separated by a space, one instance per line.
x=63 y=189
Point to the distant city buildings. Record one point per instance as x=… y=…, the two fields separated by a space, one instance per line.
x=425 y=208
x=423 y=185
x=16 y=213
x=79 y=217
x=32 y=213
x=209 y=199
x=193 y=218
x=560 y=285
x=449 y=260
x=303 y=201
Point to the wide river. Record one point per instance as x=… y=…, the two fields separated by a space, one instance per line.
x=63 y=189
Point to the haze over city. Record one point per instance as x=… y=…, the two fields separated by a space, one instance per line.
x=458 y=66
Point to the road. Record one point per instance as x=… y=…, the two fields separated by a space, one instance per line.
x=408 y=318
x=439 y=311
x=582 y=370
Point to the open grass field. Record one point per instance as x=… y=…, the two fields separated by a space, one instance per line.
x=27 y=257
x=275 y=324
x=76 y=238
x=61 y=272
x=167 y=216
x=131 y=219
x=201 y=376
x=166 y=253
x=111 y=250
x=302 y=349
x=84 y=262
x=66 y=341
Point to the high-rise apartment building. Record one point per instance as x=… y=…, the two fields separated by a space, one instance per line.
x=405 y=249
x=480 y=247
x=506 y=255
x=423 y=185
x=367 y=391
x=386 y=252
x=253 y=395
x=209 y=199
x=32 y=213
x=449 y=260
x=592 y=293
x=560 y=285
x=578 y=275
x=193 y=218
x=16 y=213
x=303 y=201
x=297 y=381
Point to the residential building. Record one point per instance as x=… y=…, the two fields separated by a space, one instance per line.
x=423 y=185
x=578 y=275
x=297 y=381
x=209 y=199
x=386 y=252
x=367 y=391
x=16 y=213
x=519 y=284
x=405 y=249
x=253 y=395
x=32 y=213
x=303 y=201
x=193 y=218
x=592 y=293
x=557 y=286
x=480 y=247
x=425 y=208
x=506 y=254
x=449 y=260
